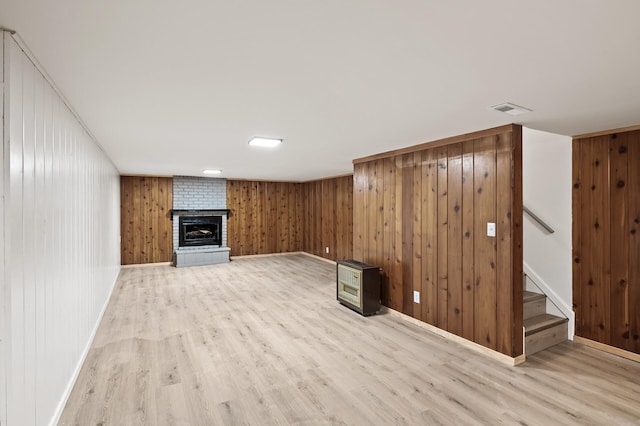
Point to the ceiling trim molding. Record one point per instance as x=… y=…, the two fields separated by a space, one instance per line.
x=607 y=132
x=291 y=181
x=439 y=142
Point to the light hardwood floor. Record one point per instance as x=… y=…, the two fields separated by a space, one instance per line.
x=263 y=341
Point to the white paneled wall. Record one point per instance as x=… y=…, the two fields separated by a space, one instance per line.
x=546 y=190
x=3 y=294
x=61 y=241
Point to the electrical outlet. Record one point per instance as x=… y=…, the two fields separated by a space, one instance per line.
x=326 y=249
x=416 y=297
x=491 y=229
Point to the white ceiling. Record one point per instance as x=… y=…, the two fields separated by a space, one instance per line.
x=174 y=87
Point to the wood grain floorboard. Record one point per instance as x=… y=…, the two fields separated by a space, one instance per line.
x=263 y=341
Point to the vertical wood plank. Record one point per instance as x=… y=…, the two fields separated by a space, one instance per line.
x=407 y=233
x=504 y=256
x=454 y=238
x=397 y=280
x=372 y=183
x=233 y=224
x=311 y=216
x=126 y=221
x=517 y=240
x=165 y=210
x=290 y=198
x=387 y=295
x=138 y=225
x=634 y=240
x=301 y=219
x=316 y=225
x=331 y=186
x=304 y=221
x=468 y=260
x=379 y=212
x=319 y=223
x=284 y=207
x=345 y=213
x=484 y=246
x=256 y=217
x=154 y=228
x=576 y=228
x=358 y=212
x=277 y=217
x=325 y=209
x=349 y=217
x=340 y=232
x=600 y=260
x=619 y=241
x=416 y=217
x=443 y=236
x=430 y=236
x=586 y=282
x=244 y=210
x=147 y=220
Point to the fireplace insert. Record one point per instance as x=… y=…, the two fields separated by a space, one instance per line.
x=200 y=231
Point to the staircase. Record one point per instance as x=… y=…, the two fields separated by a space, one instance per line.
x=541 y=330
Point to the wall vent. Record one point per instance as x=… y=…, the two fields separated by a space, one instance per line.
x=511 y=109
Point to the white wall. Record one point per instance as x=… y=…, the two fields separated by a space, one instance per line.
x=3 y=338
x=546 y=184
x=61 y=241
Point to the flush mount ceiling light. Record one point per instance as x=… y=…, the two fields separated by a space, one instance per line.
x=211 y=172
x=511 y=109
x=265 y=142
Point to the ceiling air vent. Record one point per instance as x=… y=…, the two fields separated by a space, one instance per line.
x=511 y=109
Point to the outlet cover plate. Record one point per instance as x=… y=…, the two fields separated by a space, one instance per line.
x=416 y=297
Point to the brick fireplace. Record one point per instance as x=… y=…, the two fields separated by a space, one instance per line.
x=199 y=208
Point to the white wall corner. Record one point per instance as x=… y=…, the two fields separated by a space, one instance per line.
x=564 y=306
x=547 y=192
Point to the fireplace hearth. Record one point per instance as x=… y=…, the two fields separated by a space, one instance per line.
x=200 y=231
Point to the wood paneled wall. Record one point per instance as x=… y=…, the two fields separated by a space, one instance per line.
x=279 y=217
x=421 y=214
x=328 y=217
x=146 y=227
x=606 y=238
x=266 y=217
